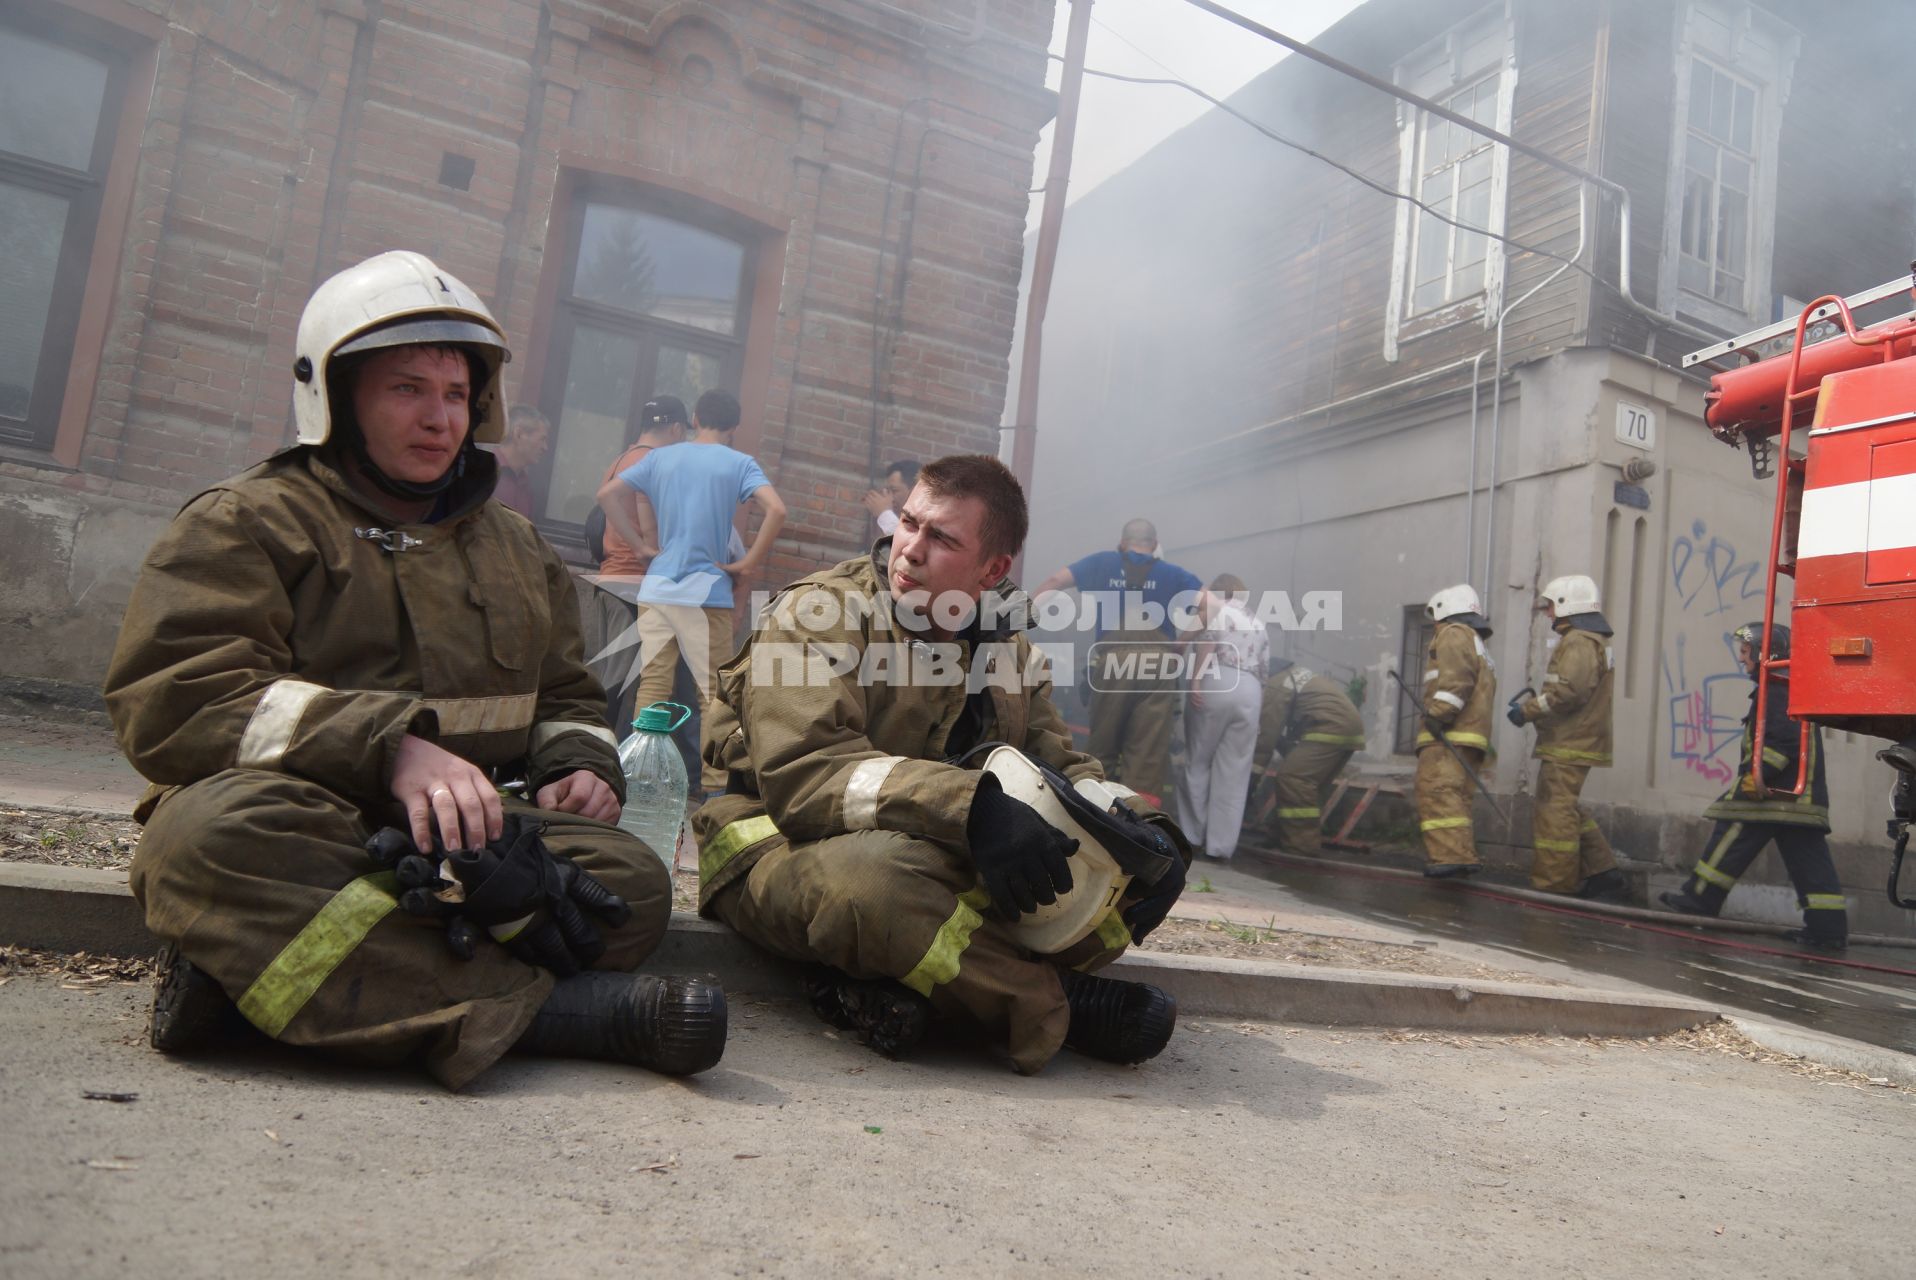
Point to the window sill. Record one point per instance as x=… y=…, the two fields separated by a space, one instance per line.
x=1430 y=323
x=38 y=459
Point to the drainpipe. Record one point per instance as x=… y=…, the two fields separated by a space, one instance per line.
x=1024 y=445
x=1470 y=481
x=1497 y=385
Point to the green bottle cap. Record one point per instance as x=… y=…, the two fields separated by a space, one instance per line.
x=658 y=717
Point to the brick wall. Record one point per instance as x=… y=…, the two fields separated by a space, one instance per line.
x=881 y=160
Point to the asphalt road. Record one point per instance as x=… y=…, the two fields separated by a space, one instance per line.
x=1245 y=1150
x=1866 y=994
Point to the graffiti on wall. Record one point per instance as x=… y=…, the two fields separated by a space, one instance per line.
x=1716 y=590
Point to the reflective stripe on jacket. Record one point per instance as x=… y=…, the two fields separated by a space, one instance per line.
x=280 y=623
x=1572 y=713
x=1459 y=687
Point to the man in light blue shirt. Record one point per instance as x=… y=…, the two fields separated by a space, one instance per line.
x=687 y=496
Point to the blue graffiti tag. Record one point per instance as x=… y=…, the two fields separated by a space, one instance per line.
x=1697 y=565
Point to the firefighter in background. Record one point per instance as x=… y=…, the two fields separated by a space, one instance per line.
x=1313 y=724
x=1748 y=817
x=1572 y=716
x=355 y=634
x=1134 y=701
x=1460 y=687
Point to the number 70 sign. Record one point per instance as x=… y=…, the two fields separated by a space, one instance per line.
x=1636 y=425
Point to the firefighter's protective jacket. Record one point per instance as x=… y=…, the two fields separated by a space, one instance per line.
x=1572 y=712
x=834 y=718
x=1302 y=706
x=1782 y=752
x=1459 y=687
x=282 y=624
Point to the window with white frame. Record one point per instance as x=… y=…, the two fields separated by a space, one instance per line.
x=1442 y=272
x=1733 y=63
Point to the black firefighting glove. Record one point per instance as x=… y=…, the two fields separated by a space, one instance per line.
x=1515 y=715
x=1148 y=912
x=1023 y=860
x=528 y=898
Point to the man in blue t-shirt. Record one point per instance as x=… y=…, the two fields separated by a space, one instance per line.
x=1138 y=599
x=685 y=497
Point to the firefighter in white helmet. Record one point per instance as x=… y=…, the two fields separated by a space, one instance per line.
x=1459 y=691
x=1572 y=715
x=327 y=665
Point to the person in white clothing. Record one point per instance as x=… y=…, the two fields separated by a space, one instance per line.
x=1220 y=725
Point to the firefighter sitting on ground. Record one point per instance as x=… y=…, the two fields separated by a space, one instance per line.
x=1748 y=817
x=354 y=636
x=853 y=839
x=1572 y=716
x=1310 y=720
x=1459 y=689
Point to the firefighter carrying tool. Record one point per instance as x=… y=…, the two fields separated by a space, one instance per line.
x=353 y=635
x=1459 y=686
x=1572 y=716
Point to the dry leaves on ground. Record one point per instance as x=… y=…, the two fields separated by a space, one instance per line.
x=79 y=970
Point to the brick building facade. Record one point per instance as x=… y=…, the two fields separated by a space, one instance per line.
x=817 y=204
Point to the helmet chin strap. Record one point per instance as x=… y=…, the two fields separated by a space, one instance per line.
x=403 y=489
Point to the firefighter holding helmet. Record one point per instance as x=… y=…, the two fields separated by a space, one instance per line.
x=892 y=816
x=1572 y=715
x=1459 y=689
x=327 y=665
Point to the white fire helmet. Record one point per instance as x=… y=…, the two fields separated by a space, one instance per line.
x=1096 y=817
x=1571 y=595
x=1453 y=601
x=396 y=299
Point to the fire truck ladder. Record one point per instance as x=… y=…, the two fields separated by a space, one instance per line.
x=1790 y=482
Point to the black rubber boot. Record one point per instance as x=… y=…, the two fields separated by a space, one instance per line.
x=1451 y=870
x=189 y=1009
x=1605 y=886
x=887 y=1015
x=671 y=1025
x=1687 y=903
x=1117 y=1021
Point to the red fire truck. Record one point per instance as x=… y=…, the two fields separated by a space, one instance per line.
x=1833 y=419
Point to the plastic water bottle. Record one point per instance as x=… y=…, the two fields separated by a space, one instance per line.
x=655 y=787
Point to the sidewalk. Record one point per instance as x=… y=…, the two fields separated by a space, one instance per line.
x=1320 y=965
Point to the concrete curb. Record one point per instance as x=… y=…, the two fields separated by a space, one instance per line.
x=82 y=909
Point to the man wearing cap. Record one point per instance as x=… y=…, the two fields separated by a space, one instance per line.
x=852 y=836
x=615 y=599
x=327 y=665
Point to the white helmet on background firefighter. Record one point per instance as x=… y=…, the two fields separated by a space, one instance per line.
x=1570 y=595
x=393 y=299
x=1458 y=604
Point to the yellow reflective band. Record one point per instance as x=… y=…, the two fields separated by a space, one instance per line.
x=939 y=964
x=1468 y=740
x=282 y=990
x=1709 y=874
x=1113 y=932
x=1443 y=824
x=1566 y=753
x=1559 y=846
x=1335 y=739
x=733 y=839
x=1774 y=758
x=1826 y=902
x=1300 y=813
x=1589 y=824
